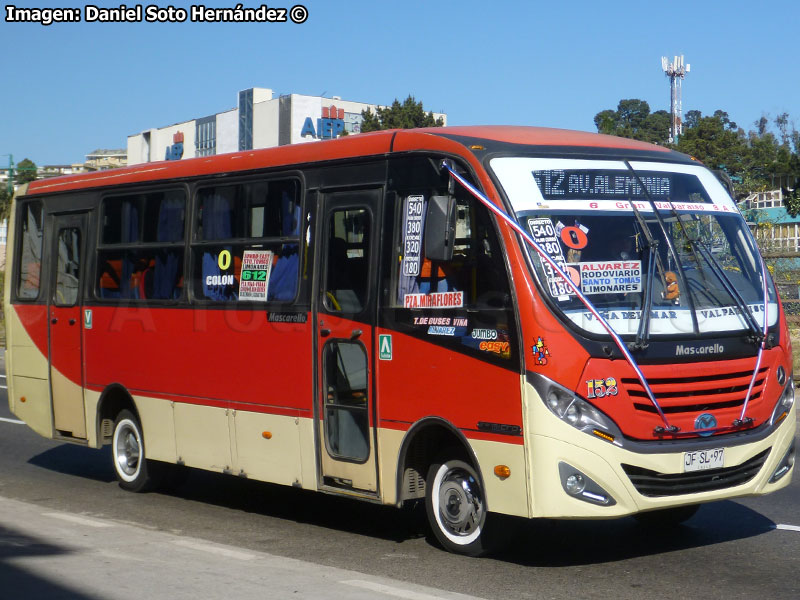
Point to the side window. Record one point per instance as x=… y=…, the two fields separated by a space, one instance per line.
x=348 y=260
x=463 y=303
x=30 y=251
x=247 y=245
x=475 y=278
x=68 y=271
x=140 y=255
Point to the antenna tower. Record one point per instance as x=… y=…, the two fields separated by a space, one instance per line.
x=676 y=71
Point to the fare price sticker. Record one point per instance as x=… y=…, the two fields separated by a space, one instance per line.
x=544 y=233
x=254 y=279
x=412 y=235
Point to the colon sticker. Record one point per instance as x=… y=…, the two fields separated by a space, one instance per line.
x=254 y=280
x=540 y=352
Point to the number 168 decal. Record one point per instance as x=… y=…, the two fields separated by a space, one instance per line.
x=600 y=388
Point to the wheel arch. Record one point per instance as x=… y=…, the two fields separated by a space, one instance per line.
x=422 y=444
x=113 y=399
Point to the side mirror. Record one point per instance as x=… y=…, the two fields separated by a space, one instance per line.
x=440 y=228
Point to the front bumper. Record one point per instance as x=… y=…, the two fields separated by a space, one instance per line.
x=556 y=449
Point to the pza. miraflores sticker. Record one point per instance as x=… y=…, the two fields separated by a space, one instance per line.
x=436 y=300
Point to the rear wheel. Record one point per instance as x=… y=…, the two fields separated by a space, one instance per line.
x=127 y=451
x=456 y=506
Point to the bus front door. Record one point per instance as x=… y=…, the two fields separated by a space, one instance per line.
x=345 y=320
x=66 y=324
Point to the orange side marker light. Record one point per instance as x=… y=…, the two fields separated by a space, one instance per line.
x=502 y=471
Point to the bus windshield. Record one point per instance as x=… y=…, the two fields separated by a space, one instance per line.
x=691 y=270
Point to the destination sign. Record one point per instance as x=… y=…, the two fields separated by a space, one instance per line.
x=596 y=184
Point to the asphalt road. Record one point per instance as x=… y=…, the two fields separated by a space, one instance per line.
x=746 y=548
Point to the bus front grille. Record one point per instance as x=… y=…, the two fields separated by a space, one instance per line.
x=678 y=395
x=653 y=484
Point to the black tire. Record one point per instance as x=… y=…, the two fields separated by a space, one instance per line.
x=667 y=517
x=134 y=472
x=455 y=503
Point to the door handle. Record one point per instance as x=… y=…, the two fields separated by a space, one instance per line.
x=324 y=332
x=72 y=321
x=54 y=320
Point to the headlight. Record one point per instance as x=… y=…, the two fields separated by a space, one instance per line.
x=574 y=410
x=784 y=404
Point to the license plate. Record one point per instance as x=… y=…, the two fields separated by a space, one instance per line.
x=701 y=460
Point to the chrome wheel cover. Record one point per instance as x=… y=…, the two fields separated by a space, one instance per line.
x=460 y=504
x=127 y=450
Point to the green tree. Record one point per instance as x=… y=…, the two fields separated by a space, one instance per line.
x=25 y=171
x=633 y=119
x=716 y=142
x=5 y=202
x=407 y=115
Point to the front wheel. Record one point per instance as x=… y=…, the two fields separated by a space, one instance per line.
x=127 y=451
x=456 y=506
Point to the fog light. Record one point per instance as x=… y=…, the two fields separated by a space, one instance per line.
x=575 y=484
x=786 y=464
x=582 y=487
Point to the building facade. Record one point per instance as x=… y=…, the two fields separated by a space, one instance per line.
x=259 y=120
x=774 y=228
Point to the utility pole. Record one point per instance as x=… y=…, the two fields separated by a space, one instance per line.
x=676 y=71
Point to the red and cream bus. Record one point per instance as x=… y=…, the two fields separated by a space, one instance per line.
x=522 y=321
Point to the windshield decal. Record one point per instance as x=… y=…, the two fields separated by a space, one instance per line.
x=671 y=321
x=615 y=277
x=545 y=234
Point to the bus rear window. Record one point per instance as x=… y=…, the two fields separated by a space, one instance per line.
x=30 y=254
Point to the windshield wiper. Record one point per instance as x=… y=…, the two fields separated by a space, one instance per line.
x=752 y=324
x=643 y=333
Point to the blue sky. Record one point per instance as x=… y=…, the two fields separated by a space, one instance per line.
x=71 y=88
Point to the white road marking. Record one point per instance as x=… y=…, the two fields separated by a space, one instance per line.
x=215 y=550
x=390 y=591
x=12 y=421
x=3 y=387
x=78 y=520
x=788 y=527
